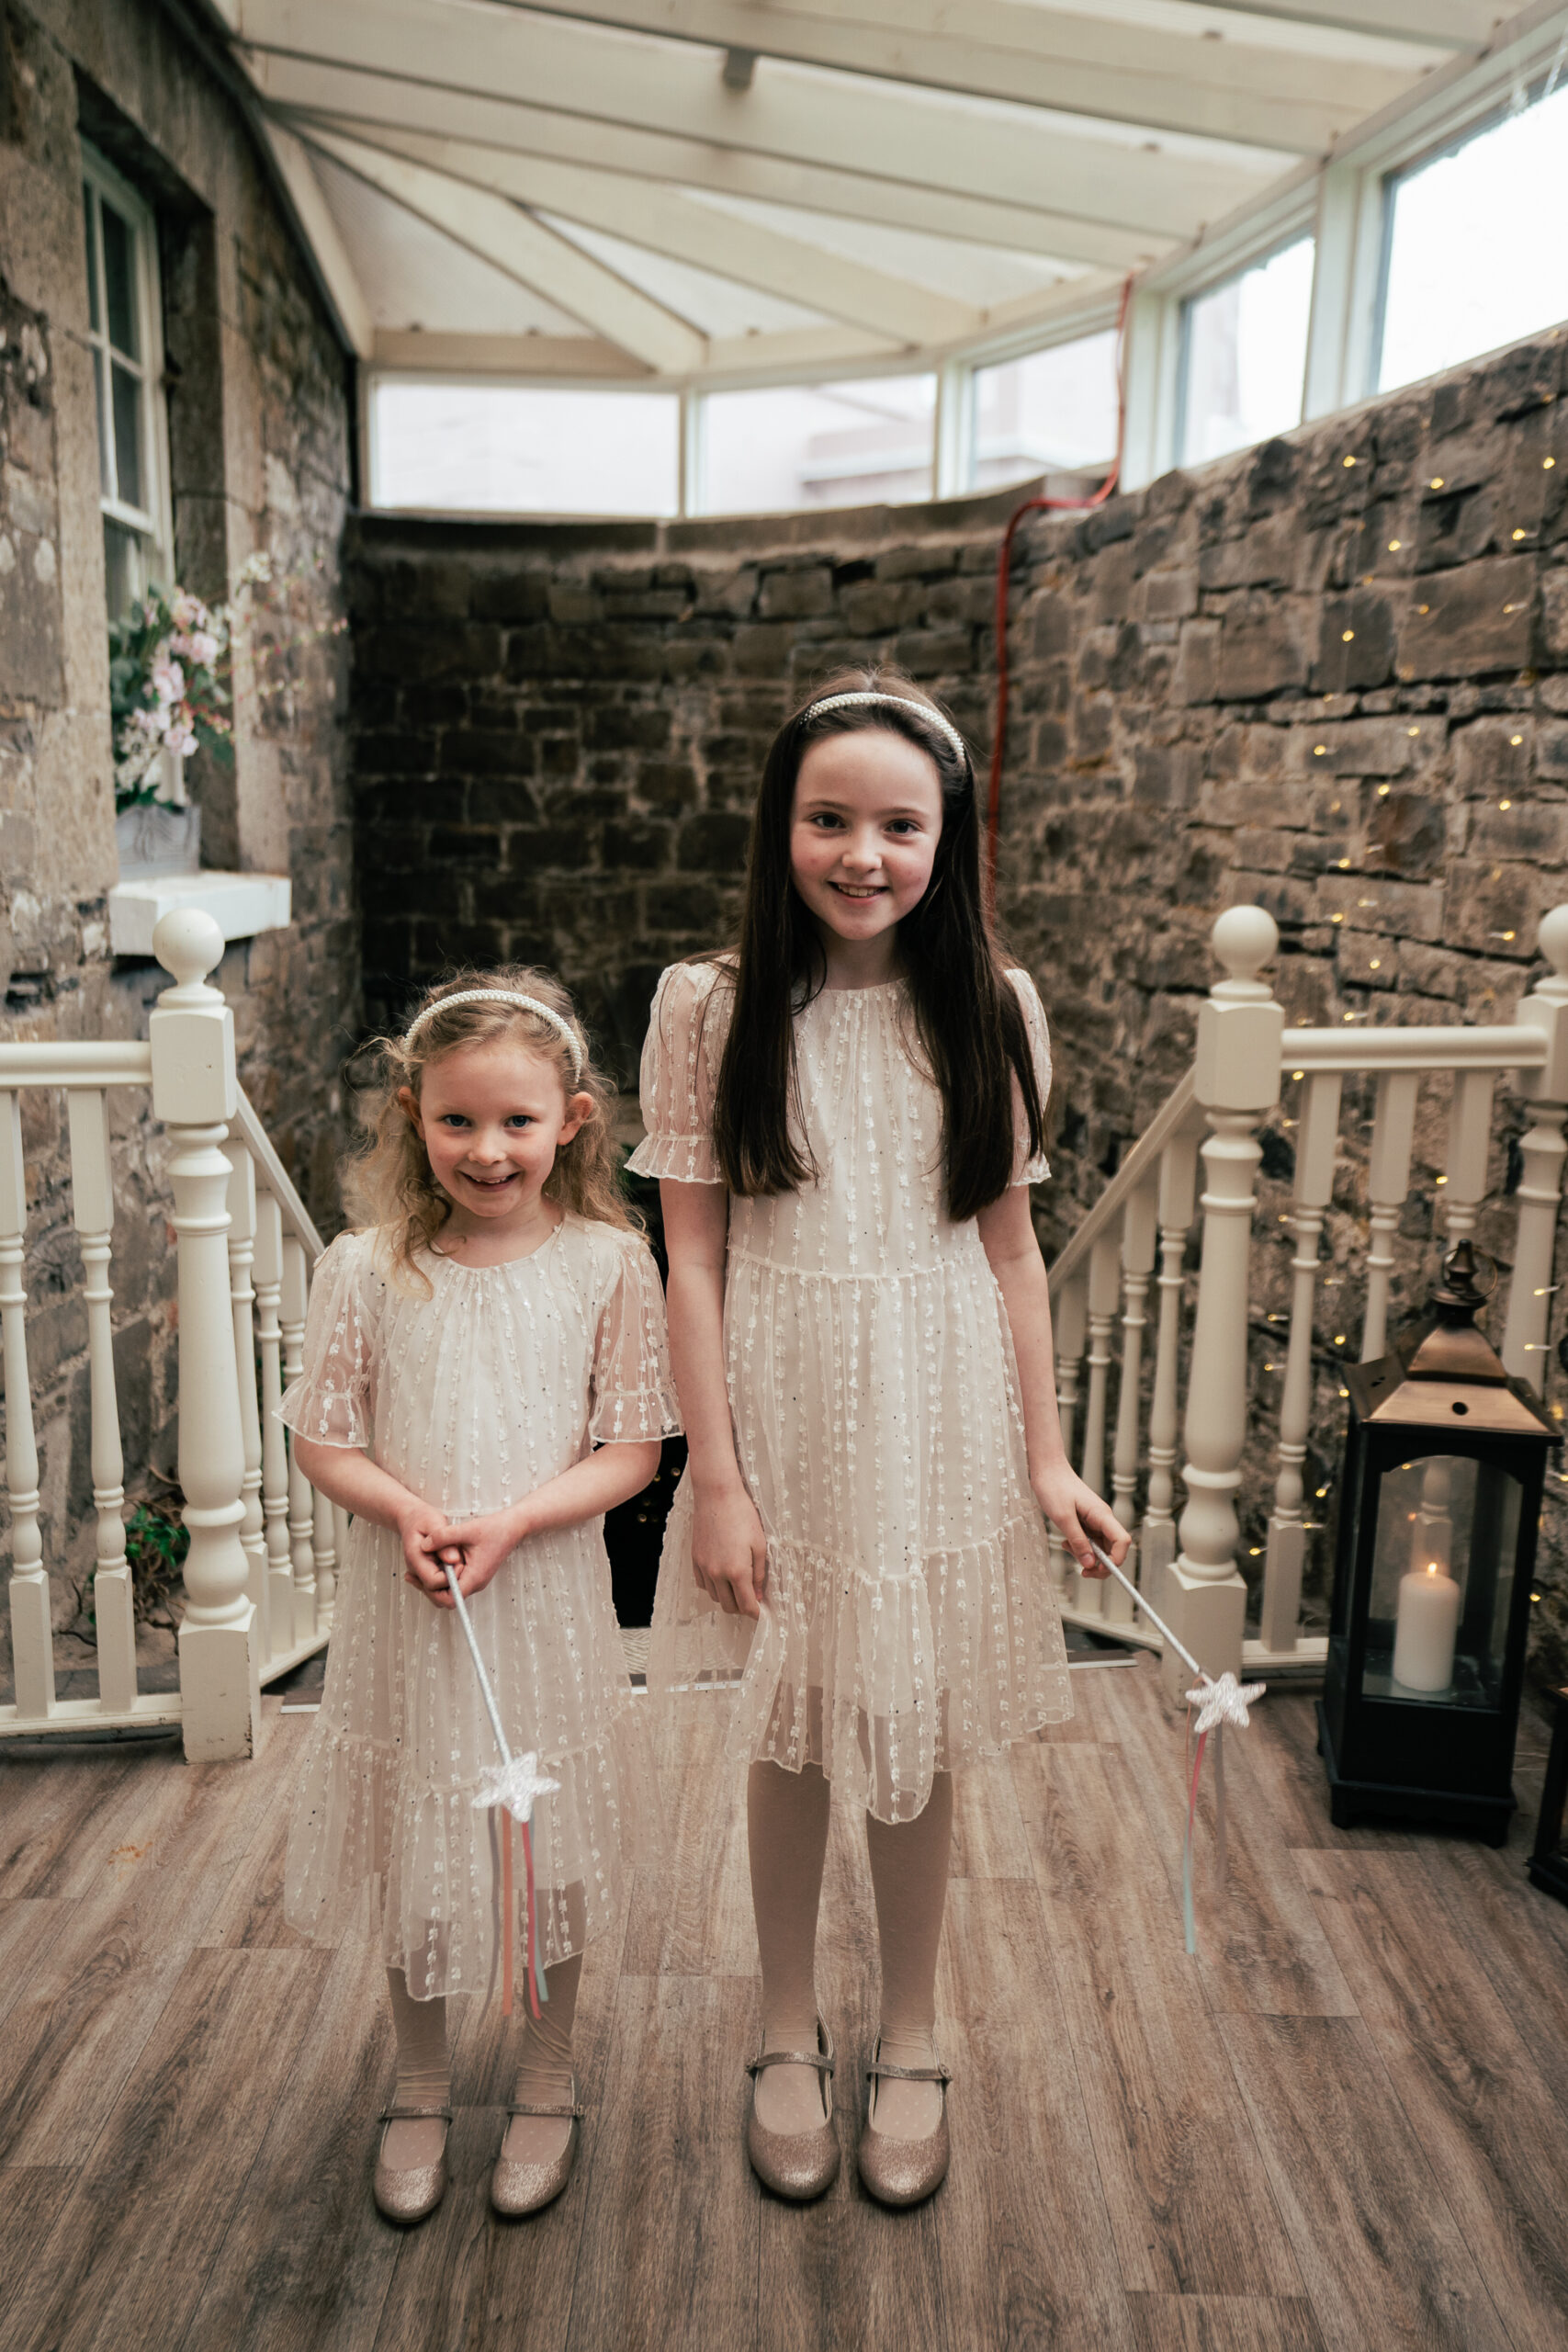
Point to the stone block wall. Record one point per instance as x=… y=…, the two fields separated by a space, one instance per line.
x=1329 y=674
x=259 y=425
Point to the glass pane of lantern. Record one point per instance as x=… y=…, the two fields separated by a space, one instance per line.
x=1442 y=1581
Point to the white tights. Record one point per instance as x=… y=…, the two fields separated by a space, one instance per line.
x=787 y=1824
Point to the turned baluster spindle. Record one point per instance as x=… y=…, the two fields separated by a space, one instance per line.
x=301 y=1507
x=275 y=1450
x=32 y=1644
x=1543 y=1151
x=1138 y=1232
x=324 y=1553
x=1069 y=1316
x=92 y=1207
x=1316 y=1144
x=241 y=1295
x=195 y=1093
x=1235 y=1079
x=1388 y=1185
x=1470 y=1146
x=1178 y=1202
x=1104 y=1269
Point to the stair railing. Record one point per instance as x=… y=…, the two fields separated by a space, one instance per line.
x=1189 y=1564
x=260 y=1572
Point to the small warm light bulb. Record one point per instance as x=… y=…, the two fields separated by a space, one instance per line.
x=1522 y=535
x=1505 y=804
x=1413 y=730
x=1436 y=483
x=1318 y=750
x=1346 y=636
x=1349 y=461
x=1383 y=791
x=1394 y=546
x=1547 y=464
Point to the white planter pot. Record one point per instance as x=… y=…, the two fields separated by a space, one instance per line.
x=159 y=840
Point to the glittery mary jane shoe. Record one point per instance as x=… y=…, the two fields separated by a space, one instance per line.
x=797 y=2164
x=406 y=2193
x=517 y=2189
x=903 y=2172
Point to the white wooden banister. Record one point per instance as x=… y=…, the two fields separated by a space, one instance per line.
x=260 y=1573
x=1244 y=1052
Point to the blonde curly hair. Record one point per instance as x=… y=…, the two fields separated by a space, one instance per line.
x=390 y=1183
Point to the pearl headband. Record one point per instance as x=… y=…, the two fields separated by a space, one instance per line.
x=898 y=702
x=502 y=996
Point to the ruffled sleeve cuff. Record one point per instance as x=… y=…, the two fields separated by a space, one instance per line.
x=680 y=1160
x=633 y=1392
x=330 y=1401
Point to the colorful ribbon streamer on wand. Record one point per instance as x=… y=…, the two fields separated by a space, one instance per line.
x=512 y=1786
x=1218 y=1703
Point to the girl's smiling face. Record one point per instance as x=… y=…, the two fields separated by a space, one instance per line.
x=492 y=1118
x=865 y=829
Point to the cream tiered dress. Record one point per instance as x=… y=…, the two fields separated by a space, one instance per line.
x=910 y=1624
x=472 y=1398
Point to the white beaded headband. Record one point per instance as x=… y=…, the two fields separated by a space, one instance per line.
x=502 y=996
x=898 y=702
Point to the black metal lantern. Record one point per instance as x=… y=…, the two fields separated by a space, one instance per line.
x=1445 y=1461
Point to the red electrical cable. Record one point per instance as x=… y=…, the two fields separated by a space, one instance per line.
x=1004 y=567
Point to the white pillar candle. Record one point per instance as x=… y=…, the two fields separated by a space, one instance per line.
x=1425 y=1628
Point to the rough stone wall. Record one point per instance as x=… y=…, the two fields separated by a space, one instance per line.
x=259 y=415
x=1330 y=674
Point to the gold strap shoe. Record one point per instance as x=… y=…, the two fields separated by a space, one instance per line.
x=797 y=2164
x=903 y=2172
x=406 y=2193
x=516 y=2189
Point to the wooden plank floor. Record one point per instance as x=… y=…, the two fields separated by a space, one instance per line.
x=1344 y=2127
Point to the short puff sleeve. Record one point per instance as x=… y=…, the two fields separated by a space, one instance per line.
x=633 y=1396
x=679 y=1074
x=331 y=1400
x=1027 y=1170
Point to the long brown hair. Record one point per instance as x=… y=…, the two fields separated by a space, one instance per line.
x=969 y=1024
x=390 y=1183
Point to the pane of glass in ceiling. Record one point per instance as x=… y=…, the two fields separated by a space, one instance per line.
x=1244 y=356
x=514 y=449
x=818 y=444
x=1047 y=410
x=1474 y=255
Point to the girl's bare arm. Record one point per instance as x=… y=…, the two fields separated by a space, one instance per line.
x=1006 y=1232
x=729 y=1550
x=347 y=1476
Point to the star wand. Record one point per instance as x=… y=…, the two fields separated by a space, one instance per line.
x=511 y=1785
x=1218 y=1703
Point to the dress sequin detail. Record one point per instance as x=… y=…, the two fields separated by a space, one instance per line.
x=911 y=1624
x=472 y=1398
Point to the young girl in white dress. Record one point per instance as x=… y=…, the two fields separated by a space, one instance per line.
x=484 y=1377
x=846 y=1114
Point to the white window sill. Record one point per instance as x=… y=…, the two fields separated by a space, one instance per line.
x=241 y=904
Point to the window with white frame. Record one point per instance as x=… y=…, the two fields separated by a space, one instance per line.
x=125 y=331
x=769 y=450
x=524 y=450
x=1243 y=356
x=1472 y=254
x=1044 y=412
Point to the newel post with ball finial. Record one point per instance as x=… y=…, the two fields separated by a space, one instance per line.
x=1236 y=1080
x=195 y=1094
x=1541 y=1154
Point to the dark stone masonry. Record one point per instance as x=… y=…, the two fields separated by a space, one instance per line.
x=1329 y=674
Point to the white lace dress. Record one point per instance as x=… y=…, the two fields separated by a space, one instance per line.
x=505 y=1377
x=910 y=1623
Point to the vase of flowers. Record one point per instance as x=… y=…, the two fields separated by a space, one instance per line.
x=168 y=662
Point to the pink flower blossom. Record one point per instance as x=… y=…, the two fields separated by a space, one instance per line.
x=181 y=738
x=168 y=679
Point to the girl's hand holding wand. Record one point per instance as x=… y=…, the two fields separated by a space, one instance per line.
x=1077 y=1513
x=479 y=1548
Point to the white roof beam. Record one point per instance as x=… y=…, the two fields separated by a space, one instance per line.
x=1069 y=60
x=1455 y=24
x=962 y=146
x=376 y=101
x=648 y=213
x=535 y=256
x=325 y=237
